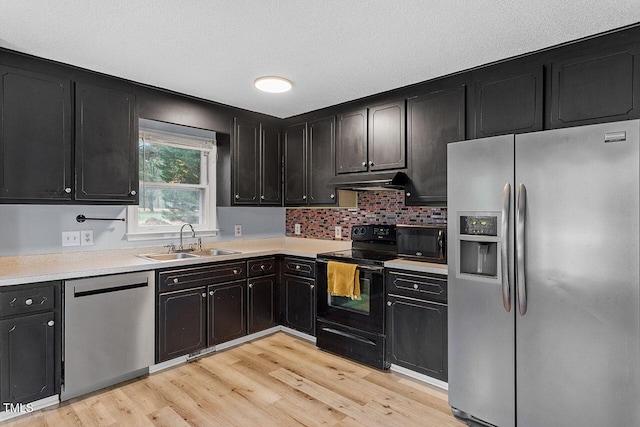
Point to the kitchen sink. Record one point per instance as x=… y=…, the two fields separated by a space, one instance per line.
x=168 y=257
x=185 y=255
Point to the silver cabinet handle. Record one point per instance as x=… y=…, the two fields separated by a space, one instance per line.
x=389 y=303
x=371 y=163
x=333 y=196
x=408 y=194
x=133 y=193
x=204 y=294
x=211 y=293
x=51 y=323
x=415 y=286
x=175 y=280
x=28 y=301
x=520 y=236
x=311 y=286
x=67 y=190
x=364 y=163
x=261 y=197
x=235 y=271
x=250 y=285
x=237 y=196
x=297 y=267
x=262 y=267
x=506 y=287
x=304 y=197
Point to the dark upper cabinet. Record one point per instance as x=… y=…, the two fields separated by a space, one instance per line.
x=309 y=163
x=433 y=120
x=387 y=142
x=35 y=136
x=295 y=161
x=227 y=315
x=106 y=150
x=595 y=85
x=182 y=323
x=262 y=313
x=351 y=142
x=270 y=166
x=256 y=164
x=246 y=162
x=508 y=99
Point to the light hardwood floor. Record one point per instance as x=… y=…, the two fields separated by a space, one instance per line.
x=278 y=380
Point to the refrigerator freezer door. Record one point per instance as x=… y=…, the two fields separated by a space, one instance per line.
x=578 y=350
x=481 y=330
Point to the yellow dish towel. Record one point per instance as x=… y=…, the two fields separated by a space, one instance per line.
x=343 y=280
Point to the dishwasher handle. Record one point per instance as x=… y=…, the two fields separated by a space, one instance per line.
x=107 y=284
x=79 y=294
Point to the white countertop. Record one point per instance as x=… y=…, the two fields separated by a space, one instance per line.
x=425 y=267
x=16 y=270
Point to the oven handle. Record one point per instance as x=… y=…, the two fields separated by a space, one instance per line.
x=360 y=267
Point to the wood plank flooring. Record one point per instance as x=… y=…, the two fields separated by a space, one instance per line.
x=278 y=380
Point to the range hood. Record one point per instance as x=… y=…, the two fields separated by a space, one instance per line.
x=370 y=181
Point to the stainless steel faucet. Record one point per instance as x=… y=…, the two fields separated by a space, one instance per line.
x=193 y=234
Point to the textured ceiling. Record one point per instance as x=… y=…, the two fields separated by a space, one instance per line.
x=332 y=50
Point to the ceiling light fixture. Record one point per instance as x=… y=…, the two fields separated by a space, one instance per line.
x=273 y=84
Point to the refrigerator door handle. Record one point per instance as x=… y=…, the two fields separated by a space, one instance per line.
x=506 y=287
x=520 y=256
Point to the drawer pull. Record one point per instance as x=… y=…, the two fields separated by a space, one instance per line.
x=235 y=271
x=262 y=267
x=204 y=295
x=211 y=293
x=297 y=267
x=51 y=323
x=175 y=280
x=415 y=286
x=29 y=301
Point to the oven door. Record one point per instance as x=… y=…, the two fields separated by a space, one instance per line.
x=366 y=314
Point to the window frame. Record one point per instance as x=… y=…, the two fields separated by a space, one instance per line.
x=208 y=150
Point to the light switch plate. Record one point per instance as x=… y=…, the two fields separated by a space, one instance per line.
x=70 y=238
x=297 y=229
x=338 y=232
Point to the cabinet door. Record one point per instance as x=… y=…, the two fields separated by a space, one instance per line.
x=417 y=336
x=262 y=303
x=599 y=86
x=227 y=315
x=299 y=304
x=351 y=142
x=246 y=162
x=433 y=120
x=35 y=136
x=387 y=141
x=270 y=166
x=508 y=99
x=27 y=358
x=295 y=184
x=106 y=145
x=321 y=161
x=182 y=323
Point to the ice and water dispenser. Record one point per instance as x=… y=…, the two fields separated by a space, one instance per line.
x=478 y=245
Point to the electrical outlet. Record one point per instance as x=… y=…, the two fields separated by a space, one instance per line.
x=86 y=238
x=297 y=229
x=338 y=232
x=70 y=238
x=237 y=230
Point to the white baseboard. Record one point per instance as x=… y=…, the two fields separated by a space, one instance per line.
x=298 y=334
x=31 y=407
x=167 y=364
x=420 y=377
x=247 y=338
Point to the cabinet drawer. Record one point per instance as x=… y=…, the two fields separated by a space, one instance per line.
x=417 y=285
x=23 y=301
x=299 y=267
x=261 y=266
x=200 y=276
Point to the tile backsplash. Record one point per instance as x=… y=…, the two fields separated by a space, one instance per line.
x=374 y=207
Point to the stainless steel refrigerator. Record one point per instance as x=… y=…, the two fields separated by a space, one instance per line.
x=544 y=301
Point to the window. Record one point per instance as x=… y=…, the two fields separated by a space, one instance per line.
x=177 y=183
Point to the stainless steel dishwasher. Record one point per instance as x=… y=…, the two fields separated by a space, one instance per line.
x=108 y=330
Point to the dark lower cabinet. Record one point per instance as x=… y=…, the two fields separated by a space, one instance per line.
x=182 y=323
x=417 y=335
x=35 y=137
x=433 y=120
x=227 y=312
x=30 y=343
x=299 y=306
x=106 y=150
x=262 y=313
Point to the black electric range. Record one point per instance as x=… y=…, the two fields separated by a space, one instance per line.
x=370 y=245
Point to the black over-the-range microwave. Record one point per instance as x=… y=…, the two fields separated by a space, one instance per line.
x=422 y=242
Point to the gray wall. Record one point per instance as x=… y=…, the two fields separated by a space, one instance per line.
x=37 y=229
